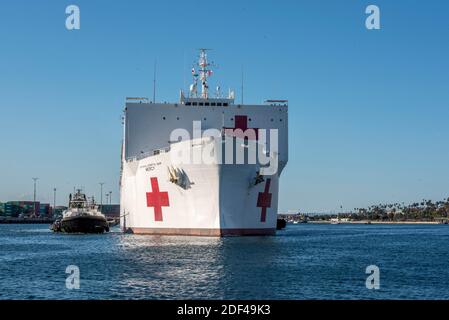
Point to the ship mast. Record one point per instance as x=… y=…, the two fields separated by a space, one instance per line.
x=201 y=71
x=204 y=72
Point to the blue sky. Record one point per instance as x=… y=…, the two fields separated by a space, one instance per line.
x=369 y=109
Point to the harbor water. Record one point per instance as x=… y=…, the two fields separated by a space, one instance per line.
x=304 y=261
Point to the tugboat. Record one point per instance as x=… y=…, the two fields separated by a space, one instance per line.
x=81 y=217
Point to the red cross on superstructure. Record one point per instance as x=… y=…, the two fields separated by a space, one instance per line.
x=157 y=200
x=241 y=122
x=264 y=201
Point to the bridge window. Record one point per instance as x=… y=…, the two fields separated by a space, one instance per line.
x=194 y=103
x=225 y=104
x=201 y=104
x=188 y=103
x=213 y=104
x=218 y=104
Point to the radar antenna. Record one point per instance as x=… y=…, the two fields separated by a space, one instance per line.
x=193 y=91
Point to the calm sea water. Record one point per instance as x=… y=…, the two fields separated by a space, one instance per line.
x=302 y=262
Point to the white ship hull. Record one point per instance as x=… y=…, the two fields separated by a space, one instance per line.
x=220 y=200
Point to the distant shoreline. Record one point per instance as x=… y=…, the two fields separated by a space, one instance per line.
x=26 y=221
x=376 y=222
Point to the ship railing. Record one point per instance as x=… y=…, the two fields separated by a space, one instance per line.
x=277 y=103
x=196 y=142
x=143 y=155
x=137 y=99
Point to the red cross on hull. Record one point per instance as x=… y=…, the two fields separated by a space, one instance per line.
x=264 y=201
x=241 y=122
x=157 y=200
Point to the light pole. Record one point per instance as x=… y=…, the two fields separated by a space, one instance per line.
x=107 y=197
x=110 y=197
x=34 y=197
x=54 y=200
x=101 y=193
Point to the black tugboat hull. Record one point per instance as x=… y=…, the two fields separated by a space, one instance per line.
x=281 y=224
x=84 y=224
